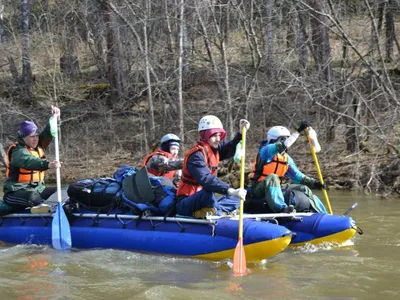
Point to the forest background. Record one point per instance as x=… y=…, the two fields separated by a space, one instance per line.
x=126 y=72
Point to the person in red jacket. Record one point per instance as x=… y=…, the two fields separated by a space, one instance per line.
x=164 y=161
x=199 y=181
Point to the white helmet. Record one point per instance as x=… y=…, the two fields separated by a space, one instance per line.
x=210 y=122
x=276 y=132
x=169 y=137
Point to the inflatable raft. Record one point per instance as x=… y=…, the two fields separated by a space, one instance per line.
x=313 y=228
x=205 y=239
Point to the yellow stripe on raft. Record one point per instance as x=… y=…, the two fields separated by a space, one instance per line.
x=254 y=252
x=338 y=238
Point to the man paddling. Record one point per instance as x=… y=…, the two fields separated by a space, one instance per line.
x=199 y=179
x=271 y=165
x=26 y=166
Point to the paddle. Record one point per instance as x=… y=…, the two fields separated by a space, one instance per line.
x=239 y=257
x=60 y=230
x=314 y=155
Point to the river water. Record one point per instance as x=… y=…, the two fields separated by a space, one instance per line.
x=368 y=267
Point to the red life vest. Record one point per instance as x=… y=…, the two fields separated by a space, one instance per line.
x=24 y=175
x=188 y=185
x=168 y=174
x=279 y=166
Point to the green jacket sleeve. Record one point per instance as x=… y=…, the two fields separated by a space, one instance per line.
x=22 y=158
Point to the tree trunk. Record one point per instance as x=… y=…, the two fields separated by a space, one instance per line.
x=1 y=22
x=148 y=77
x=224 y=55
x=95 y=36
x=69 y=63
x=270 y=33
x=181 y=51
x=26 y=78
x=13 y=70
x=390 y=30
x=114 y=71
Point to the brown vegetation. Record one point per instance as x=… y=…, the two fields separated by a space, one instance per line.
x=126 y=72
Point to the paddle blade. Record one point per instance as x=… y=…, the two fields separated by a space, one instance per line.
x=60 y=230
x=239 y=260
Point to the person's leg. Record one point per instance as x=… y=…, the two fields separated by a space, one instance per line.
x=201 y=202
x=315 y=203
x=48 y=191
x=270 y=188
x=22 y=199
x=227 y=204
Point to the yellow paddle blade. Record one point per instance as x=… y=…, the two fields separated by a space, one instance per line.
x=239 y=260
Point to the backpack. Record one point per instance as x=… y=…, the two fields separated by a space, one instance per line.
x=124 y=172
x=303 y=200
x=144 y=193
x=100 y=194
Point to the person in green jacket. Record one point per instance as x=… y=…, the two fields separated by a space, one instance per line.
x=26 y=165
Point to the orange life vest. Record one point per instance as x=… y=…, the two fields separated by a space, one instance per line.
x=279 y=166
x=24 y=175
x=188 y=185
x=168 y=174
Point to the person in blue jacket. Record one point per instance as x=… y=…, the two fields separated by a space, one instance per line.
x=199 y=181
x=273 y=163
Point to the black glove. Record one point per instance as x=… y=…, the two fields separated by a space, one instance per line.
x=303 y=125
x=288 y=209
x=318 y=185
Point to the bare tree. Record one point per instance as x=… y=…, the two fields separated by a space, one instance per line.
x=181 y=66
x=26 y=78
x=69 y=63
x=270 y=32
x=1 y=22
x=114 y=69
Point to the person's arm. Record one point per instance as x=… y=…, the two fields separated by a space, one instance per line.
x=201 y=173
x=175 y=164
x=297 y=176
x=227 y=149
x=22 y=158
x=45 y=137
x=270 y=150
x=160 y=163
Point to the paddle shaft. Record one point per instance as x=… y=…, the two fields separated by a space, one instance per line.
x=242 y=166
x=60 y=229
x=239 y=256
x=321 y=179
x=58 y=174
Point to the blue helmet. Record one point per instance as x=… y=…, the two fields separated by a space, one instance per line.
x=169 y=138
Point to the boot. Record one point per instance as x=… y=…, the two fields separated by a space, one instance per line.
x=40 y=209
x=204 y=212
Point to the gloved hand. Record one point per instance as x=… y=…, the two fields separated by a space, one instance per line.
x=244 y=123
x=238 y=193
x=54 y=164
x=56 y=111
x=303 y=125
x=288 y=209
x=318 y=185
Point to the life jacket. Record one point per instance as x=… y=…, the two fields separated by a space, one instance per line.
x=279 y=166
x=23 y=175
x=188 y=185
x=168 y=174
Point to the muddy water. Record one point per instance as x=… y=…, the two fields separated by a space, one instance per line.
x=365 y=268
